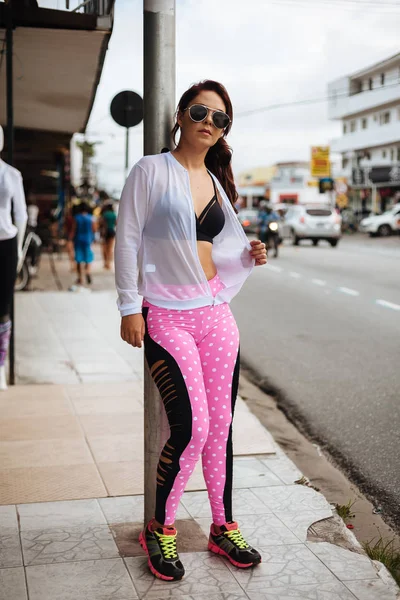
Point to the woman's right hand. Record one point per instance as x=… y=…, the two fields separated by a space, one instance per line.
x=133 y=329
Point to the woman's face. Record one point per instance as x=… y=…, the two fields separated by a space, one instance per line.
x=203 y=134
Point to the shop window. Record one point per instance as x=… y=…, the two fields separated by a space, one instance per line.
x=383 y=153
x=364 y=123
x=392 y=154
x=382 y=78
x=353 y=125
x=345 y=162
x=370 y=84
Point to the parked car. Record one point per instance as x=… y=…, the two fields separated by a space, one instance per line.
x=311 y=222
x=248 y=218
x=383 y=225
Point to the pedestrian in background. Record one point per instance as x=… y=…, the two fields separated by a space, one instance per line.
x=181 y=247
x=108 y=223
x=83 y=235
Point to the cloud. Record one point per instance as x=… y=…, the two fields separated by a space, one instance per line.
x=265 y=53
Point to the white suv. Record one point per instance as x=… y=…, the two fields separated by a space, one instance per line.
x=384 y=224
x=311 y=222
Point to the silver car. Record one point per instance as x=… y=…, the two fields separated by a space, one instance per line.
x=248 y=218
x=311 y=222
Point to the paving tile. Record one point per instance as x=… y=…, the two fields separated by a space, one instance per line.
x=68 y=544
x=316 y=591
x=260 y=530
x=250 y=436
x=123 y=478
x=35 y=406
x=116 y=366
x=244 y=503
x=251 y=472
x=345 y=564
x=130 y=509
x=299 y=522
x=46 y=515
x=207 y=596
x=281 y=566
x=110 y=424
x=205 y=575
x=39 y=428
x=283 y=468
x=8 y=519
x=44 y=453
x=87 y=405
x=10 y=550
x=43 y=484
x=12 y=584
x=117 y=448
x=291 y=498
x=111 y=391
x=89 y=580
x=372 y=589
x=110 y=377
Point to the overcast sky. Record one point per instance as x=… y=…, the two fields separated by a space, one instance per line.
x=265 y=52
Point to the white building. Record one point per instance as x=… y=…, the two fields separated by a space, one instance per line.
x=368 y=104
x=293 y=184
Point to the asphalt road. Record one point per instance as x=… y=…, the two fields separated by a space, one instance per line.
x=322 y=326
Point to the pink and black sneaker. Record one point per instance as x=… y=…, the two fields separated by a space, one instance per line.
x=160 y=547
x=230 y=543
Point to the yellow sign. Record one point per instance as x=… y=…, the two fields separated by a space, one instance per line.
x=320 y=163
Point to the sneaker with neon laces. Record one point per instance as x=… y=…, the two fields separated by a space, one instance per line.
x=160 y=547
x=229 y=542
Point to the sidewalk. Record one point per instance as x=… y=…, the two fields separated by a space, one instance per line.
x=71 y=482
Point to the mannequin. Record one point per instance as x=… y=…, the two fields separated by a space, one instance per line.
x=11 y=241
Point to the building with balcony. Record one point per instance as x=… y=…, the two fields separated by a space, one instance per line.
x=368 y=105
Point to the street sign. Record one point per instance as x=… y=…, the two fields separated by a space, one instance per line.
x=127 y=109
x=320 y=163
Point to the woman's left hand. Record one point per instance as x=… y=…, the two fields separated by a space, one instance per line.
x=259 y=252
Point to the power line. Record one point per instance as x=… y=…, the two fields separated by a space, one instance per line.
x=384 y=9
x=307 y=101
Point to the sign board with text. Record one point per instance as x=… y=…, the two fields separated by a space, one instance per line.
x=320 y=163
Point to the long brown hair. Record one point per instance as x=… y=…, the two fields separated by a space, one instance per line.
x=218 y=158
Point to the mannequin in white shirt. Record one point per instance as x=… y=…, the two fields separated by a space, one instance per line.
x=11 y=241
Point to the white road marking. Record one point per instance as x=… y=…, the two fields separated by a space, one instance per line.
x=294 y=275
x=320 y=282
x=349 y=291
x=276 y=269
x=388 y=304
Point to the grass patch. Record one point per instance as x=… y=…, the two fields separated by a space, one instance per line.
x=345 y=510
x=386 y=553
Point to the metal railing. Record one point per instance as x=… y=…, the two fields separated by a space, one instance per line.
x=92 y=7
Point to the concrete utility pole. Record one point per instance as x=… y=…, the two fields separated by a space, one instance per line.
x=159 y=108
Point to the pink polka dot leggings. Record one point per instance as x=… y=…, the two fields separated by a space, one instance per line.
x=193 y=356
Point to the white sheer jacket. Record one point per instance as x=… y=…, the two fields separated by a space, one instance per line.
x=156 y=250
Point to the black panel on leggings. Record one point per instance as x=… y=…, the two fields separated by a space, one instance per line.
x=229 y=445
x=171 y=385
x=8 y=273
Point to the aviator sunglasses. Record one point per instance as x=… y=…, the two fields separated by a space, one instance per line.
x=198 y=112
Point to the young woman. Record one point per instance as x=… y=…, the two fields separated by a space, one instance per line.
x=180 y=246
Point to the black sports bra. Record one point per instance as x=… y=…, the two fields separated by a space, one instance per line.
x=211 y=220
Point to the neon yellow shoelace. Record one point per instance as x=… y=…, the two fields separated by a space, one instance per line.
x=168 y=545
x=237 y=538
